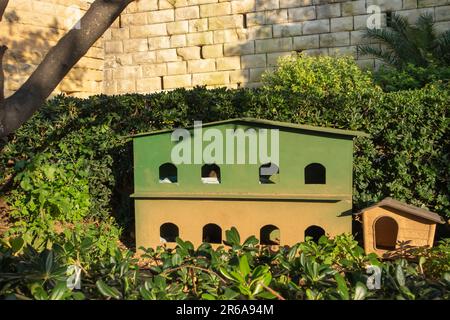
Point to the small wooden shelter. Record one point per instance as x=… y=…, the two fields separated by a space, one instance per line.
x=307 y=193
x=391 y=224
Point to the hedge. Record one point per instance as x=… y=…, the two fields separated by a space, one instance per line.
x=406 y=157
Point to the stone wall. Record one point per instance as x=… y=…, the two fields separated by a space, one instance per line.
x=160 y=45
x=165 y=44
x=31 y=27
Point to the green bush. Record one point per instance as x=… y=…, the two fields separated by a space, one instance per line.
x=320 y=79
x=410 y=77
x=332 y=269
x=406 y=156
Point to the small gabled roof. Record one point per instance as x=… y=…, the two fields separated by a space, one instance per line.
x=413 y=210
x=278 y=124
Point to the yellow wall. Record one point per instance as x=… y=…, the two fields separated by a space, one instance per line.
x=411 y=229
x=30 y=28
x=291 y=217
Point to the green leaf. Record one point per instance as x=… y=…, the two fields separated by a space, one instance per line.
x=226 y=274
x=38 y=292
x=360 y=291
x=341 y=286
x=58 y=291
x=49 y=261
x=107 y=291
x=207 y=296
x=16 y=244
x=145 y=293
x=244 y=267
x=232 y=237
x=399 y=275
x=176 y=259
x=230 y=294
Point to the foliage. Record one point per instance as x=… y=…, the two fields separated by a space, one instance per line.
x=51 y=190
x=241 y=270
x=418 y=44
x=410 y=77
x=406 y=156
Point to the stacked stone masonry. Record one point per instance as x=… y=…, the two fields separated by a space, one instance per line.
x=163 y=45
x=31 y=27
x=166 y=44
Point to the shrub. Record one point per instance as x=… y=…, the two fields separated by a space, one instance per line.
x=410 y=77
x=406 y=156
x=241 y=270
x=321 y=78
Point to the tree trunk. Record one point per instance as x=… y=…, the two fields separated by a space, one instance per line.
x=20 y=106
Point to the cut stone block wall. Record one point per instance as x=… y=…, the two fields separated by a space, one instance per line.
x=166 y=44
x=31 y=27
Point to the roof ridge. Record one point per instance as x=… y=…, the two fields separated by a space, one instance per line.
x=409 y=208
x=280 y=124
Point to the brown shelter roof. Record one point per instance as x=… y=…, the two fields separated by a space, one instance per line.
x=413 y=210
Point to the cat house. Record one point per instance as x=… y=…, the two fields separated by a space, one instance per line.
x=278 y=181
x=390 y=225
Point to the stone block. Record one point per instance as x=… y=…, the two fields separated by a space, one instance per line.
x=262 y=5
x=287 y=30
x=156 y=43
x=215 y=9
x=329 y=11
x=242 y=6
x=174 y=68
x=253 y=61
x=442 y=13
x=259 y=32
x=144 y=57
x=178 y=40
x=352 y=8
x=148 y=85
x=198 y=25
x=302 y=14
x=178 y=27
x=212 y=51
x=295 y=3
x=135 y=45
x=211 y=78
x=341 y=24
x=336 y=39
x=161 y=16
x=113 y=47
x=226 y=22
x=239 y=48
x=187 y=13
x=386 y=5
x=154 y=70
x=272 y=58
x=151 y=30
x=317 y=26
x=228 y=63
x=203 y=65
x=180 y=81
x=126 y=86
x=306 y=42
x=189 y=53
x=166 y=55
x=273 y=45
x=255 y=74
x=239 y=76
x=200 y=38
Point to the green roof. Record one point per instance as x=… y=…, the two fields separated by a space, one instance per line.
x=279 y=124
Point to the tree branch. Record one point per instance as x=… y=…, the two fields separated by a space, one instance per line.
x=2 y=74
x=3 y=48
x=19 y=107
x=3 y=5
